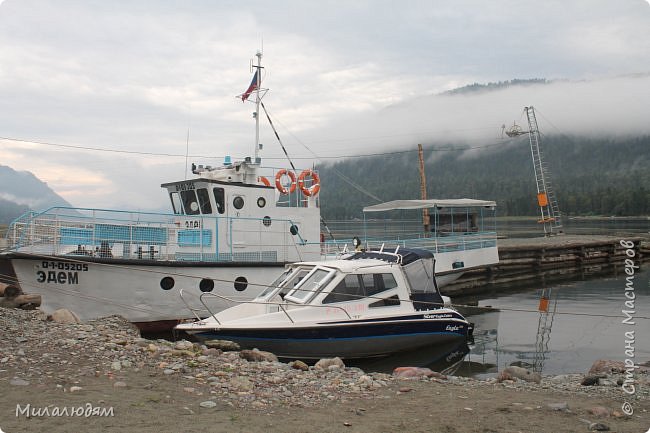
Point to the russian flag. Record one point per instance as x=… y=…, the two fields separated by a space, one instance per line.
x=251 y=88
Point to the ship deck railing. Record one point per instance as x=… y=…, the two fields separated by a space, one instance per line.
x=70 y=232
x=436 y=244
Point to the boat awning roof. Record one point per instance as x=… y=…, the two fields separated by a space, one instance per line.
x=425 y=204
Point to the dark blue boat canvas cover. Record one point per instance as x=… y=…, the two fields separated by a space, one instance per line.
x=409 y=255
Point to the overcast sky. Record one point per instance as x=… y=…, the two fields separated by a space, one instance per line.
x=346 y=77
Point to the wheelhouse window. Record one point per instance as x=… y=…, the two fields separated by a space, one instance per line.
x=204 y=201
x=190 y=204
x=220 y=199
x=177 y=206
x=309 y=285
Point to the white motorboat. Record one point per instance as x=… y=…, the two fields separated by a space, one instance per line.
x=368 y=304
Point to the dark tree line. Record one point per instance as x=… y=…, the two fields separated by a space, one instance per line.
x=591 y=176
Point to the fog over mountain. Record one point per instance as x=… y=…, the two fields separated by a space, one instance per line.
x=24 y=189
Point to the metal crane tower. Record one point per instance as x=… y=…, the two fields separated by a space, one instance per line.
x=548 y=206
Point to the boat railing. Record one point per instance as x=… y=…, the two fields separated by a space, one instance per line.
x=435 y=244
x=193 y=310
x=280 y=305
x=62 y=231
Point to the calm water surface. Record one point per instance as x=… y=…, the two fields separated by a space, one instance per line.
x=586 y=326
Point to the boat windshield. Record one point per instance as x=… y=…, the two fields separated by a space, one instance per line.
x=271 y=288
x=310 y=285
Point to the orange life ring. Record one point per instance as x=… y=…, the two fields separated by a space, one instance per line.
x=264 y=180
x=315 y=183
x=278 y=184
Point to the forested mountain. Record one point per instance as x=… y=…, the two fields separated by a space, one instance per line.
x=604 y=176
x=499 y=85
x=20 y=191
x=10 y=211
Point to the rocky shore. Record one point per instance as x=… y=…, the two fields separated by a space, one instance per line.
x=184 y=386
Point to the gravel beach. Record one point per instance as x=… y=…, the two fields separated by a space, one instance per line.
x=102 y=376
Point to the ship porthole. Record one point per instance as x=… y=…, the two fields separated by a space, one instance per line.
x=266 y=221
x=261 y=202
x=206 y=285
x=238 y=202
x=241 y=283
x=293 y=229
x=167 y=283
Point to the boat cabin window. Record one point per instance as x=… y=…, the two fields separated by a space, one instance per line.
x=349 y=289
x=220 y=199
x=377 y=283
x=293 y=280
x=177 y=207
x=354 y=287
x=238 y=202
x=309 y=285
x=190 y=204
x=387 y=302
x=454 y=221
x=204 y=201
x=275 y=284
x=420 y=276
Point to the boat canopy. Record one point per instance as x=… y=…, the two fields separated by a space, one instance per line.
x=425 y=204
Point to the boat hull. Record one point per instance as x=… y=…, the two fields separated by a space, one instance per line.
x=348 y=339
x=94 y=288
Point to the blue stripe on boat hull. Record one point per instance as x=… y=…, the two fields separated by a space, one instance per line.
x=353 y=341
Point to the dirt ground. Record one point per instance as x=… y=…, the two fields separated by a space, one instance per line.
x=171 y=404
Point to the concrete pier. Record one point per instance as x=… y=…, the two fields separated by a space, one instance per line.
x=522 y=259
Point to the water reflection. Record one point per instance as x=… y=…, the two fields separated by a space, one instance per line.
x=561 y=328
x=446 y=358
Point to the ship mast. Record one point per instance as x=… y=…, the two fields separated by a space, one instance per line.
x=258 y=100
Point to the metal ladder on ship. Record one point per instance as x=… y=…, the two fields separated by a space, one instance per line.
x=546 y=199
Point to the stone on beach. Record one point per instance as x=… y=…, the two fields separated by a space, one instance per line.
x=9 y=291
x=299 y=365
x=224 y=345
x=590 y=380
x=326 y=363
x=604 y=366
x=25 y=302
x=512 y=372
x=599 y=412
x=183 y=345
x=258 y=356
x=607 y=367
x=64 y=316
x=415 y=372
